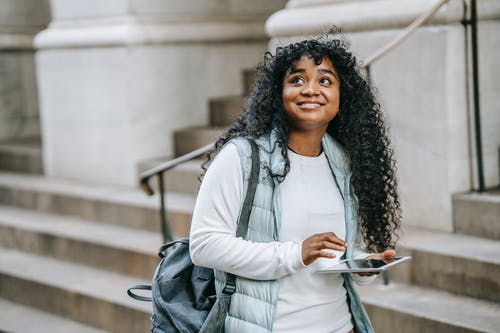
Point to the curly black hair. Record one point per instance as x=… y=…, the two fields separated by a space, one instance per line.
x=359 y=127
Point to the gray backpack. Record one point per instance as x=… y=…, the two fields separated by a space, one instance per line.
x=183 y=294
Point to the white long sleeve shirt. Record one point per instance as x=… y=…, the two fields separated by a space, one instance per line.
x=311 y=203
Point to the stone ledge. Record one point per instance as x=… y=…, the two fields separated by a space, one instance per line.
x=19 y=318
x=12 y=41
x=297 y=19
x=191 y=9
x=115 y=33
x=91 y=296
x=113 y=204
x=113 y=248
x=477 y=214
x=413 y=309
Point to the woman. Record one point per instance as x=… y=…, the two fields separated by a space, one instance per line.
x=326 y=190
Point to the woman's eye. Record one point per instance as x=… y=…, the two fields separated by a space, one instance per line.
x=325 y=80
x=296 y=79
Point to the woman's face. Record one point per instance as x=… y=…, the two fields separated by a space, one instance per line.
x=311 y=94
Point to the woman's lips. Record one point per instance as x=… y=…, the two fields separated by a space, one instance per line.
x=309 y=105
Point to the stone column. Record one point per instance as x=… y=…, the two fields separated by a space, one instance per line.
x=117 y=77
x=20 y=20
x=424 y=87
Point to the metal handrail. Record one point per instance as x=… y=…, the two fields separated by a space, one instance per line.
x=419 y=21
x=159 y=170
x=475 y=90
x=162 y=168
x=146 y=175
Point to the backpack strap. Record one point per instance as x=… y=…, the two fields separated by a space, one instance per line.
x=162 y=251
x=242 y=228
x=130 y=292
x=162 y=254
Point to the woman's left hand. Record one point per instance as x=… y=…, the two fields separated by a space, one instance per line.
x=381 y=256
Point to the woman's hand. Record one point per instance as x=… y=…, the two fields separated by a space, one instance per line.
x=312 y=247
x=381 y=256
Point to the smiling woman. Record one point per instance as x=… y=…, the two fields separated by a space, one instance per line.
x=311 y=94
x=326 y=190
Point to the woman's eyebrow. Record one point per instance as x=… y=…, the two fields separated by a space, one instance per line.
x=324 y=70
x=296 y=70
x=302 y=70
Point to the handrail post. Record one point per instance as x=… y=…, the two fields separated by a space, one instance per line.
x=475 y=83
x=165 y=230
x=158 y=171
x=368 y=74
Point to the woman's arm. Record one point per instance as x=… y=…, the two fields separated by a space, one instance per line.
x=212 y=239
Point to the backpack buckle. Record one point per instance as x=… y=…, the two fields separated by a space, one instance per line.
x=229 y=289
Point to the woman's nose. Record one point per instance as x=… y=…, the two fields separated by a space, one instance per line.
x=310 y=88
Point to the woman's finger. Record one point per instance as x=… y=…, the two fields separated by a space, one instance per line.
x=312 y=247
x=383 y=255
x=331 y=246
x=332 y=237
x=323 y=254
x=389 y=253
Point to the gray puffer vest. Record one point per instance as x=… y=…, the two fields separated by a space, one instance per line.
x=253 y=305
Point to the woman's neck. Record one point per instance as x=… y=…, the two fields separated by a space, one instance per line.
x=305 y=143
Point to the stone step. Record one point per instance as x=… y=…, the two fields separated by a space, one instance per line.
x=225 y=110
x=124 y=206
x=87 y=295
x=477 y=214
x=181 y=179
x=456 y=263
x=412 y=309
x=22 y=156
x=122 y=250
x=189 y=139
x=17 y=318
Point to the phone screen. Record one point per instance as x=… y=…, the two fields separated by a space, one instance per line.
x=368 y=263
x=364 y=265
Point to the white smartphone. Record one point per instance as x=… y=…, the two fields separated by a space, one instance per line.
x=364 y=265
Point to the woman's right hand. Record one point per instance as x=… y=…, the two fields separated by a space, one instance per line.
x=312 y=247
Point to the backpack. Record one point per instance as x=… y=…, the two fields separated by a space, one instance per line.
x=183 y=295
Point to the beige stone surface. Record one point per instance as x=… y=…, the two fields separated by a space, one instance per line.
x=24 y=15
x=114 y=204
x=80 y=293
x=116 y=79
x=18 y=318
x=424 y=87
x=105 y=109
x=412 y=309
x=477 y=214
x=20 y=20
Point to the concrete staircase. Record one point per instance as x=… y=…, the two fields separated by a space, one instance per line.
x=68 y=252
x=453 y=281
x=222 y=112
x=71 y=250
x=21 y=155
x=451 y=285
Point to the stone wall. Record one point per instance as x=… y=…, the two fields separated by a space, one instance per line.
x=424 y=85
x=20 y=20
x=118 y=77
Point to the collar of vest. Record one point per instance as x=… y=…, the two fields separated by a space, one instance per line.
x=337 y=157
